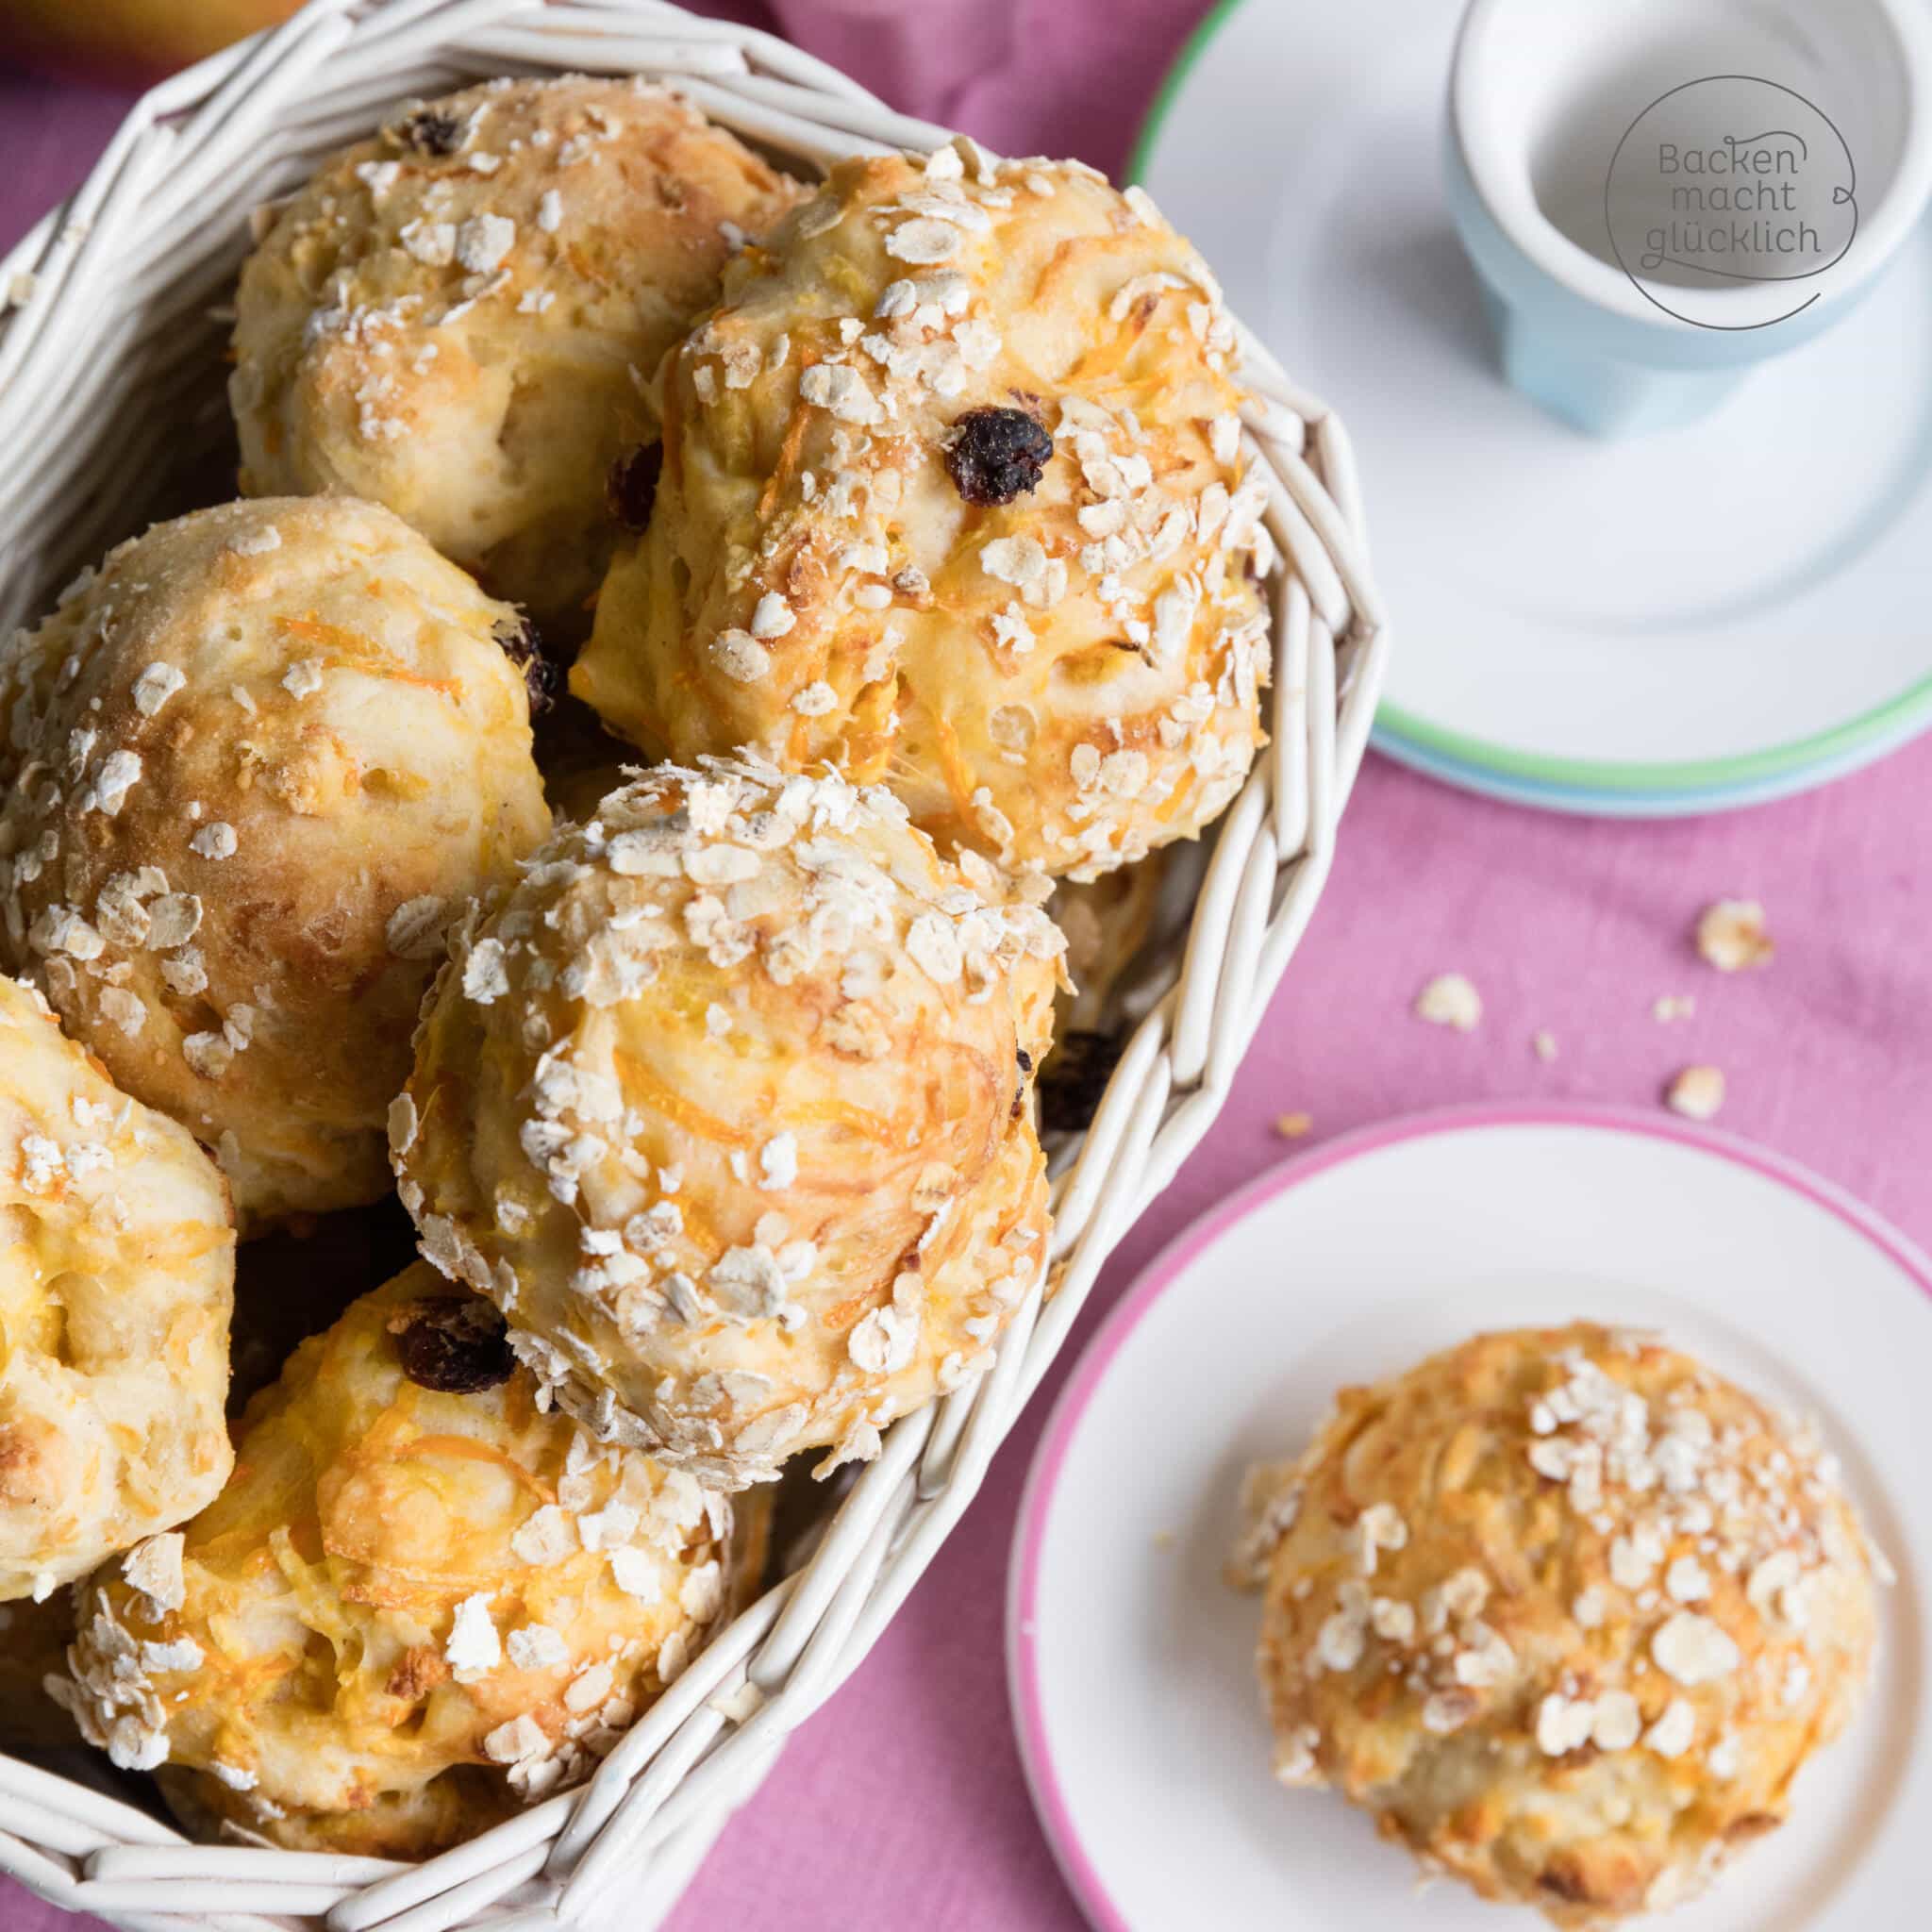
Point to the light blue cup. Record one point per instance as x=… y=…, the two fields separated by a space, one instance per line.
x=1657 y=197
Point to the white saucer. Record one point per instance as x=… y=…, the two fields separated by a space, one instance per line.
x=1131 y=1662
x=1726 y=605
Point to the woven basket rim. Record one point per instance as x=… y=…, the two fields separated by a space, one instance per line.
x=173 y=185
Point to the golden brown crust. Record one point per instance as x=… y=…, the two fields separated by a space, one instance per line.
x=255 y=764
x=1565 y=1611
x=1063 y=677
x=117 y=1268
x=726 y=1107
x=412 y=1608
x=458 y=316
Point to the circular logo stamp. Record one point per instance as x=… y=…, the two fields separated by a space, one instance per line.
x=1726 y=180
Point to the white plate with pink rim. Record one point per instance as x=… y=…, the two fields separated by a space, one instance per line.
x=1130 y=1661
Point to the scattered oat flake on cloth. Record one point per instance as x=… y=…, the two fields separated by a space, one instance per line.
x=1450 y=1000
x=1731 y=935
x=1673 y=1005
x=1698 y=1094
x=1543 y=1044
x=1292 y=1126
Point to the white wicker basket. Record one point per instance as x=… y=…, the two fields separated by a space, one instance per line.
x=110 y=382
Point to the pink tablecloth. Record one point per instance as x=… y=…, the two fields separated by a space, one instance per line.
x=902 y=1804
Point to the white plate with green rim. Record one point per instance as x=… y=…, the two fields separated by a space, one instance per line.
x=1683 y=622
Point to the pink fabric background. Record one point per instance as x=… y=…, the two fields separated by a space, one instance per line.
x=902 y=1804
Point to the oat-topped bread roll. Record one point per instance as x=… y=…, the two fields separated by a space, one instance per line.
x=727 y=1105
x=954 y=497
x=1565 y=1611
x=117 y=1269
x=421 y=1601
x=457 y=318
x=254 y=766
